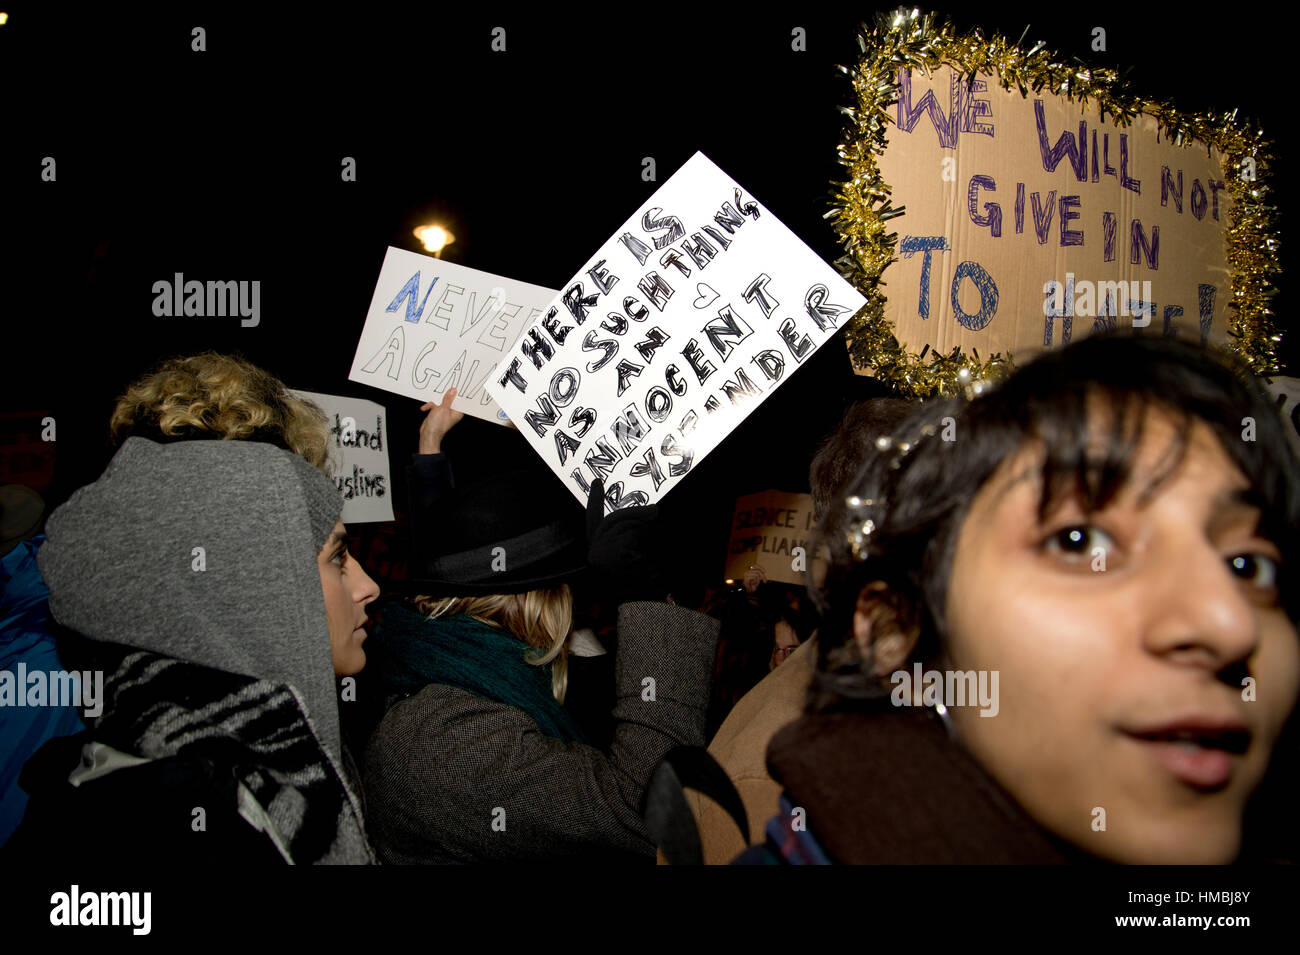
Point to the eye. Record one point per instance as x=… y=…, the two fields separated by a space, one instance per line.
x=1256 y=569
x=1078 y=541
x=341 y=557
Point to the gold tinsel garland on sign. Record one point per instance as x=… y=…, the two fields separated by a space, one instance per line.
x=908 y=38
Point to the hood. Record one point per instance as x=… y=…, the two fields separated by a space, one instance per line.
x=204 y=551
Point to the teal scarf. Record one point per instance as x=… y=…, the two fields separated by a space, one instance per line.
x=410 y=651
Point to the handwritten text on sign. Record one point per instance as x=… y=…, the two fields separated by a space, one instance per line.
x=683 y=323
x=772 y=530
x=434 y=325
x=1032 y=220
x=358 y=453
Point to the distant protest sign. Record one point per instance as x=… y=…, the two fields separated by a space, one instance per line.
x=434 y=325
x=1004 y=217
x=358 y=451
x=772 y=530
x=686 y=320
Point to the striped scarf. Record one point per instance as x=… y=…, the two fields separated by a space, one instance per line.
x=291 y=787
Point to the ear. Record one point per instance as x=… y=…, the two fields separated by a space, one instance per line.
x=877 y=631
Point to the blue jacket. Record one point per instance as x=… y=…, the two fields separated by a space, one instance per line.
x=25 y=637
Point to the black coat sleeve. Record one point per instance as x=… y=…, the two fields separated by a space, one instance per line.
x=429 y=480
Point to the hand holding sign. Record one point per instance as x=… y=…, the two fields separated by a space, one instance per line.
x=440 y=419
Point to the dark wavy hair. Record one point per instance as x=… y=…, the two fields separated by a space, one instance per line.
x=917 y=492
x=842 y=452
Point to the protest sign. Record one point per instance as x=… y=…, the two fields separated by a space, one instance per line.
x=695 y=311
x=1020 y=217
x=358 y=451
x=773 y=530
x=1031 y=221
x=433 y=325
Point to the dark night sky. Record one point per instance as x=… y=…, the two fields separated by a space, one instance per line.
x=225 y=164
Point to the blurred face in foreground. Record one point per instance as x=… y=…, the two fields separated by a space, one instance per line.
x=1122 y=640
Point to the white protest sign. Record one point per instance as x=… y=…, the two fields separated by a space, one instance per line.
x=695 y=311
x=433 y=325
x=358 y=450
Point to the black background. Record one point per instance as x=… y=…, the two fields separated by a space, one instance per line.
x=225 y=164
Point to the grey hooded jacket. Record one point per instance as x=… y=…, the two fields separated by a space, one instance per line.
x=200 y=556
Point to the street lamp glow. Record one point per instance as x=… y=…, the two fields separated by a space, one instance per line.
x=434 y=237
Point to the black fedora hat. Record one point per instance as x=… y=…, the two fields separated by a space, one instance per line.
x=506 y=533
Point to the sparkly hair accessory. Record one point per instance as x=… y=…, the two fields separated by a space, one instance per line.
x=861 y=527
x=861 y=522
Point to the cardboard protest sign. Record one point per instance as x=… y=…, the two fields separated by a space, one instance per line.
x=995 y=207
x=433 y=325
x=1032 y=221
x=693 y=312
x=358 y=448
x=773 y=530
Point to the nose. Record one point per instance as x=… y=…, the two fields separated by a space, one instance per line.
x=1201 y=614
x=365 y=589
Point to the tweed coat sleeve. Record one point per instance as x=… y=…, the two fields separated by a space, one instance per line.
x=454 y=777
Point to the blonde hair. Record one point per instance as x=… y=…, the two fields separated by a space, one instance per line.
x=540 y=618
x=221 y=396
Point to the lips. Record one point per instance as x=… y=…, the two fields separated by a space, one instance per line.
x=1198 y=750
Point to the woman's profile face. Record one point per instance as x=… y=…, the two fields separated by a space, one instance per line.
x=347 y=589
x=1146 y=666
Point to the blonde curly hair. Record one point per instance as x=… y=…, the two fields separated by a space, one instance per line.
x=540 y=618
x=221 y=396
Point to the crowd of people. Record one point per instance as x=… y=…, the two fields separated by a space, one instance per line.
x=1053 y=622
